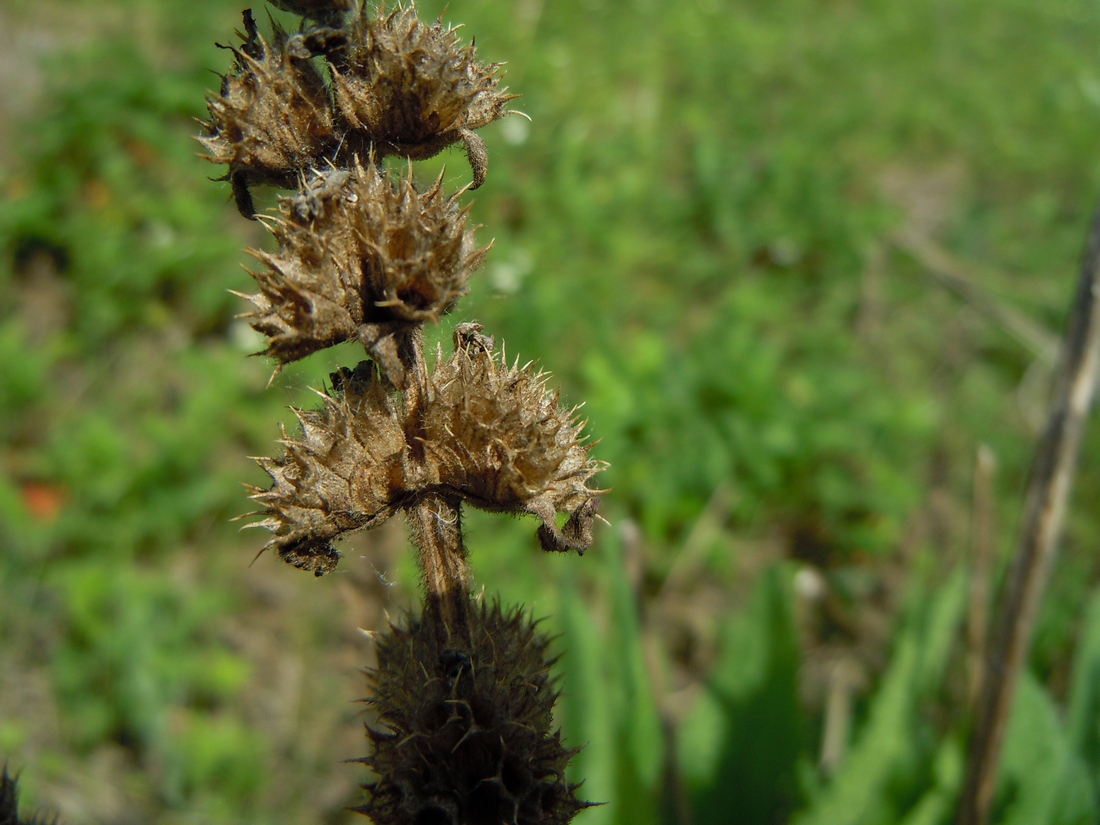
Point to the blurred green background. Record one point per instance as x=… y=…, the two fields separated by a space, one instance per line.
x=802 y=261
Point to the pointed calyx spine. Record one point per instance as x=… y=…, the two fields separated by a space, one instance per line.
x=463 y=692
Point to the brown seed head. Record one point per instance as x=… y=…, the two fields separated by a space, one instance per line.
x=355 y=248
x=342 y=474
x=273 y=117
x=466 y=734
x=411 y=89
x=500 y=439
x=487 y=434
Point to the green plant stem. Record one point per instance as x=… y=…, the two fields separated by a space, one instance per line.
x=1047 y=494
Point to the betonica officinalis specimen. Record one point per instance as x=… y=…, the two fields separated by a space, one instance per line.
x=462 y=692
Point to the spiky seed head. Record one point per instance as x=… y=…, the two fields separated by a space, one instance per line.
x=417 y=253
x=500 y=439
x=9 y=803
x=272 y=118
x=465 y=734
x=411 y=88
x=358 y=247
x=487 y=433
x=341 y=474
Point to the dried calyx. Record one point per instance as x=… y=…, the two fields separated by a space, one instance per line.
x=272 y=119
x=489 y=435
x=398 y=87
x=360 y=254
x=466 y=734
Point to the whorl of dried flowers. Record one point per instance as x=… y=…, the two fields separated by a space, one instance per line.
x=463 y=692
x=412 y=90
x=502 y=441
x=466 y=736
x=491 y=436
x=272 y=119
x=359 y=250
x=398 y=87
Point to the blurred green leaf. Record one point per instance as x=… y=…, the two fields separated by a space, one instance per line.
x=884 y=757
x=740 y=745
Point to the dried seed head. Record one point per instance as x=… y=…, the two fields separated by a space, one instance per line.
x=467 y=733
x=411 y=89
x=500 y=440
x=486 y=433
x=342 y=474
x=357 y=248
x=417 y=253
x=9 y=803
x=272 y=119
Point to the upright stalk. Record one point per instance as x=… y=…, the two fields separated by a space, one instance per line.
x=436 y=523
x=462 y=692
x=1047 y=494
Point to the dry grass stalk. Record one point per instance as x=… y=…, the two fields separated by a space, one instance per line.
x=1047 y=495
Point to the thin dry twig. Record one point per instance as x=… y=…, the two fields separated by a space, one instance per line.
x=981 y=571
x=1047 y=495
x=955 y=275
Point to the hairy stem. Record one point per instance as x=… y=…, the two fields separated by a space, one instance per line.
x=436 y=524
x=410 y=352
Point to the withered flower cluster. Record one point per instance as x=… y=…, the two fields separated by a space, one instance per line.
x=463 y=691
x=348 y=84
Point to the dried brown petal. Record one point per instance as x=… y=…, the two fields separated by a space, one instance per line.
x=343 y=474
x=499 y=439
x=357 y=248
x=411 y=89
x=468 y=732
x=272 y=119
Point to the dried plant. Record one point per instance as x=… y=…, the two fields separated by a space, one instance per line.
x=9 y=802
x=463 y=691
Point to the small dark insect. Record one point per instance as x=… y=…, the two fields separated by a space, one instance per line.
x=356 y=380
x=317 y=556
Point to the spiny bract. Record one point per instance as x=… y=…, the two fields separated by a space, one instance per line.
x=488 y=434
x=272 y=119
x=466 y=732
x=398 y=87
x=358 y=248
x=411 y=89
